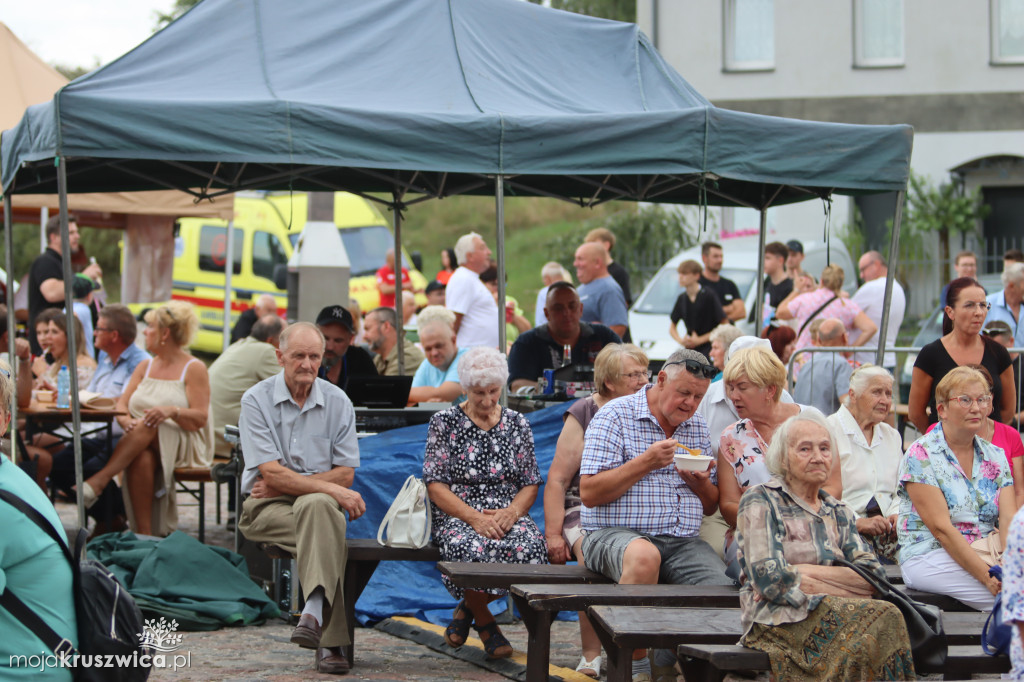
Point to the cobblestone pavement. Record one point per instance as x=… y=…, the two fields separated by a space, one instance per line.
x=264 y=652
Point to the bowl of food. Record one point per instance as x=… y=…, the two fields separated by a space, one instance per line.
x=691 y=459
x=42 y=395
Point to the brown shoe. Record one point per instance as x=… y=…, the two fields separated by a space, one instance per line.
x=307 y=633
x=332 y=661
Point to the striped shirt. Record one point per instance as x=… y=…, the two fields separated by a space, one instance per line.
x=661 y=503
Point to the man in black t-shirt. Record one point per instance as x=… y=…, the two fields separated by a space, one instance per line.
x=726 y=290
x=777 y=285
x=46 y=275
x=698 y=308
x=342 y=358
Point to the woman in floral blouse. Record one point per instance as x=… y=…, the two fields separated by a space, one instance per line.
x=954 y=489
x=754 y=380
x=815 y=620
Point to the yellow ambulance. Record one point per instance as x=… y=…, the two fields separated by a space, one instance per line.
x=267 y=227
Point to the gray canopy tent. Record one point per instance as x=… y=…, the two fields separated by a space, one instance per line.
x=421 y=99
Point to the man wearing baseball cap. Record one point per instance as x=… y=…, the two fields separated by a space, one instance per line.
x=795 y=259
x=342 y=358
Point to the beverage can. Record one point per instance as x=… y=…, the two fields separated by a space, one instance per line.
x=549 y=381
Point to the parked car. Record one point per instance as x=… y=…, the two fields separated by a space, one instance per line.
x=649 y=316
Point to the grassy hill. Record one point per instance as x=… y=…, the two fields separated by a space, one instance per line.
x=531 y=227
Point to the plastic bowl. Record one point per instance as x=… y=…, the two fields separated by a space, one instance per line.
x=693 y=462
x=43 y=395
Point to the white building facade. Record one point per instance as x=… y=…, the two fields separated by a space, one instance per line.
x=954 y=70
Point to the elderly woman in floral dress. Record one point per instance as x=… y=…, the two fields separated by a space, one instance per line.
x=482 y=477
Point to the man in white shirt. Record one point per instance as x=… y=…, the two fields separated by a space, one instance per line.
x=871 y=299
x=476 y=313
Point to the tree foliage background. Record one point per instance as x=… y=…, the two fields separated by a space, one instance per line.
x=620 y=10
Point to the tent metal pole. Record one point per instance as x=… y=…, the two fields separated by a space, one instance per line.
x=759 y=303
x=499 y=219
x=894 y=245
x=76 y=414
x=44 y=216
x=399 y=322
x=229 y=269
x=9 y=267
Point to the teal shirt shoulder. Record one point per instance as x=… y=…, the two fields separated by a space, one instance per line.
x=36 y=570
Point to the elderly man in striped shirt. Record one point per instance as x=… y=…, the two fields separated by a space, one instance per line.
x=640 y=514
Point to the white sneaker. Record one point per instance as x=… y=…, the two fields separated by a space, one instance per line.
x=591 y=668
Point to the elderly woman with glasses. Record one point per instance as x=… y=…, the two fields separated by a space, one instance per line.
x=619 y=370
x=870 y=452
x=482 y=478
x=167 y=424
x=955 y=488
x=754 y=379
x=961 y=344
x=814 y=619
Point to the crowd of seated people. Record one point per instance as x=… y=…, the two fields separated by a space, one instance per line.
x=791 y=478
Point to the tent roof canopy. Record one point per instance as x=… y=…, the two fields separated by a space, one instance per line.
x=432 y=98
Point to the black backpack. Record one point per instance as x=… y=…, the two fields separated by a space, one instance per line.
x=110 y=625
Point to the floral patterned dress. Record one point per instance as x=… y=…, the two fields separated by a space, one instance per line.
x=1013 y=590
x=486 y=470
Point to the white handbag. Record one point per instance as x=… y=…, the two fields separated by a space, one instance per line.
x=407 y=523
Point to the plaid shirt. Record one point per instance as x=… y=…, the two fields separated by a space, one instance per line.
x=660 y=503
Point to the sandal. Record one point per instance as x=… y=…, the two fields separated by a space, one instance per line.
x=591 y=668
x=459 y=627
x=495 y=645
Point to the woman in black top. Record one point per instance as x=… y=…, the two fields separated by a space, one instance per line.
x=961 y=344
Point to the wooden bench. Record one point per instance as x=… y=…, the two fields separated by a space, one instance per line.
x=622 y=629
x=710 y=662
x=539 y=605
x=476 y=576
x=363 y=556
x=200 y=476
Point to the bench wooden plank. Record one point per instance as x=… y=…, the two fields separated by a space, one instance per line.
x=622 y=629
x=539 y=604
x=363 y=556
x=709 y=662
x=474 y=575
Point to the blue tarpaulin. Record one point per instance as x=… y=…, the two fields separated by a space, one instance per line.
x=386 y=460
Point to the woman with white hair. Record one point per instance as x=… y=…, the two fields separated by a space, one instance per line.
x=754 y=379
x=869 y=452
x=794 y=599
x=482 y=478
x=721 y=339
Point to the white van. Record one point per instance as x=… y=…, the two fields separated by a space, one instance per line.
x=649 y=316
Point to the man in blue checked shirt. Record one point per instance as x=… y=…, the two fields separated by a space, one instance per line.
x=640 y=514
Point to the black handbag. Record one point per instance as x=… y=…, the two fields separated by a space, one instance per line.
x=924 y=622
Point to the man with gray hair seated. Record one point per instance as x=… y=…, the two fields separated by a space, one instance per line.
x=641 y=514
x=825 y=378
x=1008 y=305
x=437 y=379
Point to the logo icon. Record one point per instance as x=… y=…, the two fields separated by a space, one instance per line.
x=160 y=635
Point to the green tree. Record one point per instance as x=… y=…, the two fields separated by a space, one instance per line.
x=620 y=10
x=179 y=8
x=944 y=208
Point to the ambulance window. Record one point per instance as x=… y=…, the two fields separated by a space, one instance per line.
x=267 y=252
x=213 y=248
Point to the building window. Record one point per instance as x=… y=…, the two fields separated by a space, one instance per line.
x=1007 y=21
x=749 y=35
x=877 y=33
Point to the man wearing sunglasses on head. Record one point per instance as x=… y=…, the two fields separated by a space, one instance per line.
x=641 y=516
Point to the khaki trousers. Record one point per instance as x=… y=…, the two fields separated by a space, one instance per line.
x=311 y=527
